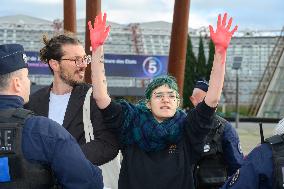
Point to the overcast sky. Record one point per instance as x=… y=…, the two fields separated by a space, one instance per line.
x=248 y=14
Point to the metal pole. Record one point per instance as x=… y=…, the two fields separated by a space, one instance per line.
x=93 y=8
x=70 y=15
x=178 y=44
x=237 y=98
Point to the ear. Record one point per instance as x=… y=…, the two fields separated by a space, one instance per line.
x=16 y=85
x=192 y=99
x=148 y=104
x=54 y=65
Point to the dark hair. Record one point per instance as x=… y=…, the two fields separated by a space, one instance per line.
x=53 y=47
x=159 y=81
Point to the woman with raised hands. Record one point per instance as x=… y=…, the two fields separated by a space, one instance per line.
x=160 y=144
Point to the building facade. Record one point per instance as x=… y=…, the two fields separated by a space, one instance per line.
x=152 y=38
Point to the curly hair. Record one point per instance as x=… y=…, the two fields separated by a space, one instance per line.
x=159 y=81
x=53 y=47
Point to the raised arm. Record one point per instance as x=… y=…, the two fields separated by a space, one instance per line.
x=221 y=39
x=98 y=35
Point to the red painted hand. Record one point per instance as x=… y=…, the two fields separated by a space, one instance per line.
x=222 y=36
x=99 y=33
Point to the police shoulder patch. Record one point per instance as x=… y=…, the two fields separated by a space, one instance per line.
x=240 y=148
x=234 y=178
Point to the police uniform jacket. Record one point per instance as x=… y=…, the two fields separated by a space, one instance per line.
x=232 y=151
x=46 y=142
x=104 y=147
x=170 y=167
x=256 y=171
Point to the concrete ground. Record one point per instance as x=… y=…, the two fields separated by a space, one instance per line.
x=249 y=134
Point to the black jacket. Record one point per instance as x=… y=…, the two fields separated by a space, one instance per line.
x=170 y=168
x=99 y=151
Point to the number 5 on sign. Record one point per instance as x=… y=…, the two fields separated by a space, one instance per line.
x=152 y=69
x=152 y=66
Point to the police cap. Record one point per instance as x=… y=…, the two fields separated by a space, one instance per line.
x=12 y=58
x=201 y=84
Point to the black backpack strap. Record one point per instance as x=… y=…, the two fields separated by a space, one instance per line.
x=214 y=138
x=277 y=145
x=274 y=140
x=221 y=123
x=22 y=114
x=211 y=170
x=15 y=115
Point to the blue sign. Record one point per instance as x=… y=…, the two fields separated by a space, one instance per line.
x=135 y=65
x=36 y=67
x=115 y=65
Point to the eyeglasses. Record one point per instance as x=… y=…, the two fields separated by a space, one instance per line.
x=161 y=95
x=80 y=60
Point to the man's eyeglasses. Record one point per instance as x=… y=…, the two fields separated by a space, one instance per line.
x=80 y=60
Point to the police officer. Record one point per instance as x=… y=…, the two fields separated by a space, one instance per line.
x=35 y=152
x=222 y=151
x=263 y=167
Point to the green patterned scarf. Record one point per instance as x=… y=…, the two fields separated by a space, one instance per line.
x=141 y=128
